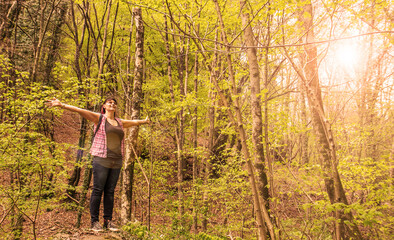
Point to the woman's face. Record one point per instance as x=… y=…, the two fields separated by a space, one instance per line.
x=110 y=105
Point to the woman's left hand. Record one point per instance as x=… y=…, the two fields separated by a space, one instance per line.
x=147 y=120
x=53 y=103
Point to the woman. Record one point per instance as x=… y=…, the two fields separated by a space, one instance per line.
x=107 y=151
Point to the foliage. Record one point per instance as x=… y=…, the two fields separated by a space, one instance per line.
x=369 y=185
x=31 y=165
x=137 y=231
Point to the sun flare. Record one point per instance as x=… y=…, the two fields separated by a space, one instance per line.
x=347 y=55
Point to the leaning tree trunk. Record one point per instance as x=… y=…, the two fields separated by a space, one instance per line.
x=132 y=133
x=255 y=102
x=261 y=212
x=323 y=132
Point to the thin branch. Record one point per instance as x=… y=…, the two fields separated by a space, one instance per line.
x=270 y=46
x=139 y=163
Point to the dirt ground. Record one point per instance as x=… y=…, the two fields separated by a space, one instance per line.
x=60 y=225
x=87 y=236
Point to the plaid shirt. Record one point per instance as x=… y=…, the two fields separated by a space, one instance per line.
x=99 y=146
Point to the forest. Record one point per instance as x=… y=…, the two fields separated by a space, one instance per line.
x=269 y=119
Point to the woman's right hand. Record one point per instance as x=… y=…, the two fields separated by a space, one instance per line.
x=89 y=115
x=53 y=103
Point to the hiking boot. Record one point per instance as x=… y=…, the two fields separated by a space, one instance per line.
x=108 y=224
x=96 y=227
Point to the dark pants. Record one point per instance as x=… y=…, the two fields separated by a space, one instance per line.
x=104 y=181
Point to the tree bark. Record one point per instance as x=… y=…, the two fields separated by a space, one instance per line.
x=104 y=43
x=304 y=123
x=132 y=133
x=41 y=35
x=127 y=197
x=9 y=15
x=255 y=102
x=211 y=130
x=323 y=132
x=78 y=43
x=261 y=211
x=372 y=81
x=105 y=49
x=180 y=132
x=195 y=145
x=55 y=42
x=85 y=186
x=75 y=176
x=181 y=60
x=168 y=55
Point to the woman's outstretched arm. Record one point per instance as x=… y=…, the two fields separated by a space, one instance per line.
x=89 y=115
x=130 y=123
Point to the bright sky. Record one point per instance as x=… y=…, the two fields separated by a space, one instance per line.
x=347 y=55
x=343 y=62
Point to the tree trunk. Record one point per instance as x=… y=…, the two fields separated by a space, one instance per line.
x=181 y=135
x=78 y=44
x=238 y=121
x=132 y=133
x=85 y=186
x=55 y=43
x=391 y=167
x=85 y=9
x=76 y=174
x=106 y=49
x=104 y=43
x=210 y=144
x=168 y=55
x=127 y=197
x=16 y=214
x=195 y=145
x=372 y=82
x=255 y=102
x=267 y=146
x=304 y=123
x=41 y=35
x=9 y=15
x=323 y=132
x=181 y=60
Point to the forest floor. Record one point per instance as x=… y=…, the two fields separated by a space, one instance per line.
x=60 y=224
x=87 y=236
